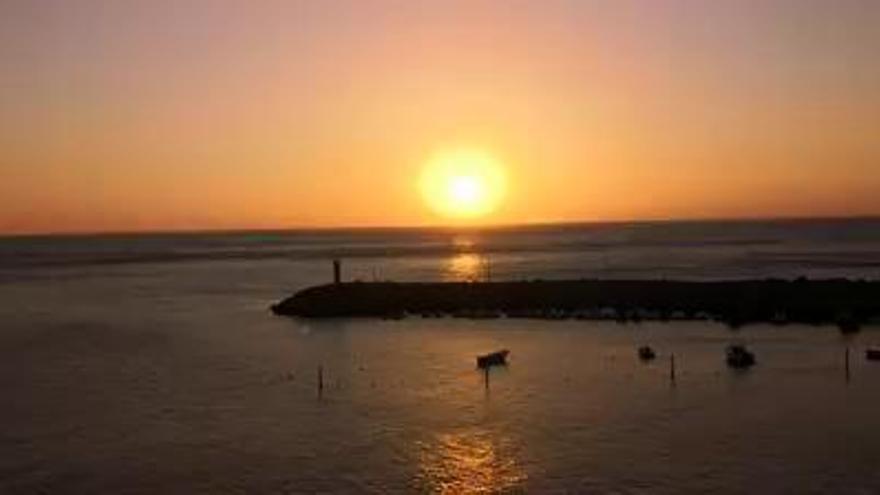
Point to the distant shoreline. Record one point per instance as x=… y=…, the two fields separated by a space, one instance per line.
x=849 y=304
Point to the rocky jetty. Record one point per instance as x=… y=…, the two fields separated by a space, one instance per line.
x=846 y=303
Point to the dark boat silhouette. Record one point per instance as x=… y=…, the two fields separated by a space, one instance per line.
x=848 y=324
x=739 y=357
x=498 y=358
x=646 y=353
x=872 y=353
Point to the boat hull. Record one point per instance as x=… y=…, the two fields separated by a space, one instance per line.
x=493 y=359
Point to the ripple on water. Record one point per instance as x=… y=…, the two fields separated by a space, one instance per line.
x=470 y=460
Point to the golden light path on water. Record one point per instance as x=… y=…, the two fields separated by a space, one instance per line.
x=469 y=461
x=465 y=267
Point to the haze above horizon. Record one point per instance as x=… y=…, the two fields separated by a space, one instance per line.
x=157 y=116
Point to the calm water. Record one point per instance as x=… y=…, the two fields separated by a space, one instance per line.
x=150 y=364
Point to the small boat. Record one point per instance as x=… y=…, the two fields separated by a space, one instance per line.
x=872 y=353
x=498 y=358
x=646 y=353
x=848 y=324
x=739 y=357
x=394 y=315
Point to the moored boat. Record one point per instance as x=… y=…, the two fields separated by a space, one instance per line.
x=739 y=357
x=498 y=358
x=646 y=353
x=872 y=353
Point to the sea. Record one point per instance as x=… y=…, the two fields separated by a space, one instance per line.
x=150 y=363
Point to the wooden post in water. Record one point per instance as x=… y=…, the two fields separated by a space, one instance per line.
x=846 y=361
x=672 y=368
x=320 y=380
x=486 y=377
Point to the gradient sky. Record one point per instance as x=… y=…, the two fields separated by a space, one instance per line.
x=132 y=115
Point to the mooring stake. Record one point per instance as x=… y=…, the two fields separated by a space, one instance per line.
x=486 y=375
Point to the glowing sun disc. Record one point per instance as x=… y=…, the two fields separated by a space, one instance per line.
x=463 y=183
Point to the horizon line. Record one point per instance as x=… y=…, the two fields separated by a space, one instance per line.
x=432 y=227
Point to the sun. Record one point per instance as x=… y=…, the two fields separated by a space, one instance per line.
x=463 y=183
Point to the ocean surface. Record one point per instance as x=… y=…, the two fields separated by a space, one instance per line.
x=151 y=364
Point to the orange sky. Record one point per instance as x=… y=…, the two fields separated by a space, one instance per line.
x=133 y=115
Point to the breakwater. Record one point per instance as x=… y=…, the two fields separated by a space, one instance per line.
x=846 y=303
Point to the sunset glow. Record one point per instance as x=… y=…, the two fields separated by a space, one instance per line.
x=226 y=115
x=463 y=184
x=439 y=246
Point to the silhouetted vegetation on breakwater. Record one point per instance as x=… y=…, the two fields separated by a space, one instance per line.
x=847 y=303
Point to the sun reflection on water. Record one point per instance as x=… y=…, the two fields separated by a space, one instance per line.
x=469 y=462
x=465 y=267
